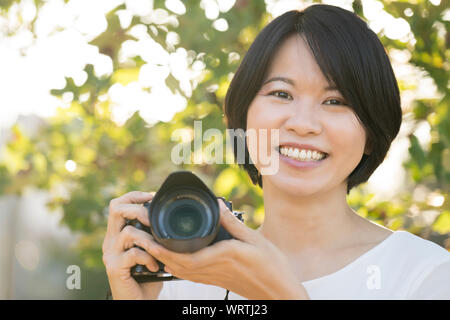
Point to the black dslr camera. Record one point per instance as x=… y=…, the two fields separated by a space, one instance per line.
x=184 y=217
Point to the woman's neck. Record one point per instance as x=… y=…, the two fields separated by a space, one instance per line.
x=315 y=222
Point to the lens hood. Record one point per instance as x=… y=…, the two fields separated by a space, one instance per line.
x=177 y=186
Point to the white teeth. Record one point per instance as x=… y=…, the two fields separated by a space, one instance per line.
x=304 y=155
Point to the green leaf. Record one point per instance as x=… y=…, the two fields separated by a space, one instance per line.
x=442 y=223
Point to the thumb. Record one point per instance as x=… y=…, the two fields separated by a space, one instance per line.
x=233 y=225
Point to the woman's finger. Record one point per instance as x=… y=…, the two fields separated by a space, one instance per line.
x=135 y=256
x=128 y=207
x=130 y=237
x=170 y=258
x=235 y=226
x=187 y=262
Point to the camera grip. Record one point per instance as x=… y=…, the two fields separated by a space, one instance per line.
x=140 y=272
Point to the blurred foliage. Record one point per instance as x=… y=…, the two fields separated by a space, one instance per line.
x=428 y=166
x=112 y=159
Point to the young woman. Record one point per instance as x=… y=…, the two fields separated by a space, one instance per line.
x=322 y=78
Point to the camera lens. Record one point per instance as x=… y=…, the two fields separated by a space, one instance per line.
x=185 y=221
x=184 y=214
x=186 y=218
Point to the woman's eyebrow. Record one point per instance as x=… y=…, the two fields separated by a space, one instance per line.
x=287 y=80
x=329 y=87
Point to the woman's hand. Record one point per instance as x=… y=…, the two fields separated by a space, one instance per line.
x=119 y=254
x=248 y=265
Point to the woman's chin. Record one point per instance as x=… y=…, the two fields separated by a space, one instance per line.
x=295 y=186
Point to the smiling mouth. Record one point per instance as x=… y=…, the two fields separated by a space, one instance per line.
x=301 y=154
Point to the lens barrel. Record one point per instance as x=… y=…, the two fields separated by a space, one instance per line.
x=184 y=217
x=184 y=214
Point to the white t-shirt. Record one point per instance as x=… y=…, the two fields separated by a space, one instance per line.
x=403 y=266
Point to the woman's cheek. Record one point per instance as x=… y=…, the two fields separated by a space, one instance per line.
x=347 y=139
x=264 y=114
x=262 y=135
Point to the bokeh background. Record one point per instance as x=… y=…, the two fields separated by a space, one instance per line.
x=92 y=90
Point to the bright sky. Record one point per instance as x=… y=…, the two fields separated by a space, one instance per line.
x=33 y=65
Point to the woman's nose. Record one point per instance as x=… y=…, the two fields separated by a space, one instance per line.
x=303 y=119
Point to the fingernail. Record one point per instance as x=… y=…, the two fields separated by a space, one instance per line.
x=155 y=268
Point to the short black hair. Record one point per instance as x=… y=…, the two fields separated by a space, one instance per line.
x=350 y=56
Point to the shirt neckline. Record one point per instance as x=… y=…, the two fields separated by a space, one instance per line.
x=348 y=266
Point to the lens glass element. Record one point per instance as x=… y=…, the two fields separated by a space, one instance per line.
x=185 y=221
x=186 y=218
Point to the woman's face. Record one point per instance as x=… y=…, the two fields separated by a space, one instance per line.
x=297 y=100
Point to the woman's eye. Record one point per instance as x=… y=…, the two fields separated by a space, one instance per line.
x=336 y=102
x=281 y=94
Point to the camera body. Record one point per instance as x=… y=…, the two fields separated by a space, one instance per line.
x=184 y=217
